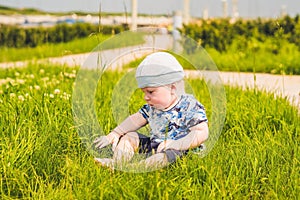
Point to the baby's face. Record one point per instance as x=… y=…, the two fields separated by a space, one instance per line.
x=159 y=97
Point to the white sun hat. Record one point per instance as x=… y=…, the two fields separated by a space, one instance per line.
x=158 y=69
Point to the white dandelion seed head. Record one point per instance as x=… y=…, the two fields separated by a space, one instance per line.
x=37 y=87
x=56 y=91
x=20 y=81
x=21 y=98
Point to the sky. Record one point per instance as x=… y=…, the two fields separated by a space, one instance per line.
x=246 y=8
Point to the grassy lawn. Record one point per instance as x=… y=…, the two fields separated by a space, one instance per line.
x=43 y=157
x=84 y=45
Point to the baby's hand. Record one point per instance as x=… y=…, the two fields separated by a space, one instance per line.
x=101 y=142
x=164 y=145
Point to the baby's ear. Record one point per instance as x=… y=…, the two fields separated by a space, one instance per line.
x=173 y=88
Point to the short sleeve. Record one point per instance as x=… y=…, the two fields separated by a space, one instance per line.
x=145 y=111
x=198 y=115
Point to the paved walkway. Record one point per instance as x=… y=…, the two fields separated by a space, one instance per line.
x=281 y=85
x=284 y=85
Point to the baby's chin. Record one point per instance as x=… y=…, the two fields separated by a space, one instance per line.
x=158 y=107
x=155 y=106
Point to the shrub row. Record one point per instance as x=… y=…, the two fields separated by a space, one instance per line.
x=16 y=36
x=220 y=33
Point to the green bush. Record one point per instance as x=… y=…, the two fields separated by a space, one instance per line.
x=15 y=36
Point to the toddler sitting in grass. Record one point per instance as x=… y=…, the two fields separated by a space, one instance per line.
x=177 y=120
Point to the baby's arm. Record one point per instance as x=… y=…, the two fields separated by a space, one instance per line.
x=130 y=124
x=195 y=138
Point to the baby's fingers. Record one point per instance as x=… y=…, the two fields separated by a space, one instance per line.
x=102 y=142
x=97 y=140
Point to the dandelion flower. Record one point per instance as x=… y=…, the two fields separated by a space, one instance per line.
x=56 y=91
x=37 y=87
x=45 y=79
x=21 y=98
x=12 y=95
x=31 y=76
x=65 y=96
x=21 y=81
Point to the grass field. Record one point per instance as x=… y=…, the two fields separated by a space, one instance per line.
x=77 y=46
x=42 y=156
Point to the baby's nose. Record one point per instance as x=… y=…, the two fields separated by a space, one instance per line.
x=146 y=97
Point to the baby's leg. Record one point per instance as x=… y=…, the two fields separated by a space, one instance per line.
x=126 y=147
x=157 y=160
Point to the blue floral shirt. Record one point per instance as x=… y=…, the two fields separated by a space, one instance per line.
x=176 y=122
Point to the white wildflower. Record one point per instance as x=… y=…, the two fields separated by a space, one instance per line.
x=65 y=96
x=12 y=95
x=31 y=76
x=56 y=91
x=8 y=79
x=69 y=75
x=20 y=81
x=12 y=82
x=37 y=87
x=72 y=75
x=51 y=96
x=46 y=78
x=21 y=98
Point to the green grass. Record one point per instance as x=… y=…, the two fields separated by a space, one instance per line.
x=270 y=56
x=84 y=45
x=258 y=58
x=51 y=50
x=42 y=157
